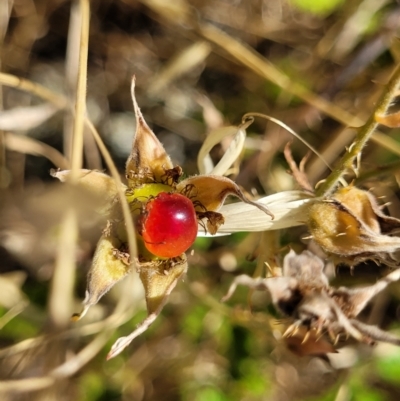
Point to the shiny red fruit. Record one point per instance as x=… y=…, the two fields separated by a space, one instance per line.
x=168 y=225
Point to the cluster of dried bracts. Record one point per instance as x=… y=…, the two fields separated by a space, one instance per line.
x=167 y=212
x=303 y=294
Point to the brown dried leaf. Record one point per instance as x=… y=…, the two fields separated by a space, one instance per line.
x=148 y=160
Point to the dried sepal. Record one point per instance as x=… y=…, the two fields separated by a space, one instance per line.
x=374 y=333
x=209 y=192
x=303 y=294
x=350 y=226
x=159 y=278
x=123 y=342
x=98 y=184
x=210 y=221
x=108 y=267
x=362 y=205
x=353 y=300
x=305 y=267
x=148 y=161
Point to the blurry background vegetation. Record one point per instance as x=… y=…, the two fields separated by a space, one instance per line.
x=316 y=65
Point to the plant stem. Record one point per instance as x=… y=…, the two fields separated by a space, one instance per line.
x=363 y=135
x=80 y=101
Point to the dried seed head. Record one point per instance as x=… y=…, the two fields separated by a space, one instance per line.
x=148 y=160
x=351 y=227
x=304 y=295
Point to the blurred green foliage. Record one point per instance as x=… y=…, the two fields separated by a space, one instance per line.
x=320 y=7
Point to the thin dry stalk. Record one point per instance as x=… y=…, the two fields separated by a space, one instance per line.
x=363 y=135
x=33 y=88
x=27 y=145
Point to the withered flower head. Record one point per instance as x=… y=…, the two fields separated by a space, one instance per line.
x=350 y=227
x=303 y=294
x=166 y=212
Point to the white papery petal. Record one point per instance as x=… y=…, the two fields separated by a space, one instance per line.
x=232 y=153
x=290 y=209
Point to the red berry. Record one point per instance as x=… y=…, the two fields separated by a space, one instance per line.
x=168 y=224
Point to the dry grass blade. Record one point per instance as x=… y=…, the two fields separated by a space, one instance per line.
x=33 y=88
x=24 y=144
x=247 y=56
x=26 y=385
x=60 y=301
x=186 y=60
x=65 y=370
x=298 y=171
x=12 y=313
x=120 y=315
x=244 y=54
x=251 y=59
